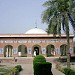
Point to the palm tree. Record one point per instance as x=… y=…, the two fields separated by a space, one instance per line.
x=59 y=13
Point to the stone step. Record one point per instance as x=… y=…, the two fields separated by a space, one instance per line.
x=25 y=61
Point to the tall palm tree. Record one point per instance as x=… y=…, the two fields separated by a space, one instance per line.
x=59 y=13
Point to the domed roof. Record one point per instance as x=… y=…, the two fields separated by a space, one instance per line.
x=35 y=31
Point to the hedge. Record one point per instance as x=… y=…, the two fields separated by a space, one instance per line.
x=42 y=68
x=39 y=58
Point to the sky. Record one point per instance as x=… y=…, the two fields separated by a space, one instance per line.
x=18 y=16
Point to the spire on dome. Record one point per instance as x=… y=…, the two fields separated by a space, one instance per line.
x=35 y=24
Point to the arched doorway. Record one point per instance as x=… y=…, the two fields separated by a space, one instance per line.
x=36 y=50
x=22 y=51
x=8 y=51
x=50 y=50
x=63 y=50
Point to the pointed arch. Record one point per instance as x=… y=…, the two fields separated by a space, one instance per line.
x=8 y=51
x=36 y=50
x=22 y=51
x=50 y=50
x=63 y=49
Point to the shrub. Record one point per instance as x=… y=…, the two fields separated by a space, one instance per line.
x=72 y=72
x=39 y=58
x=42 y=68
x=13 y=71
x=68 y=71
x=19 y=68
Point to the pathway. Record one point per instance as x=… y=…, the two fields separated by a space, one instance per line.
x=28 y=70
x=28 y=66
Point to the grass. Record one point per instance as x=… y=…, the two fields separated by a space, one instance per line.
x=4 y=69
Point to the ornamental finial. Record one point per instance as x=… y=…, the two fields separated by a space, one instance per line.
x=35 y=24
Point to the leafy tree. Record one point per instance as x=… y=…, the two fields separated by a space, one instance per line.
x=59 y=13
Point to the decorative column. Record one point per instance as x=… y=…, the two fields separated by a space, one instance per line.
x=29 y=52
x=7 y=52
x=57 y=51
x=44 y=51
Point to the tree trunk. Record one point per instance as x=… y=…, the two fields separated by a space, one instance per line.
x=68 y=52
x=67 y=35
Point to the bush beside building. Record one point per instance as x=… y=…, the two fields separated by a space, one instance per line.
x=41 y=67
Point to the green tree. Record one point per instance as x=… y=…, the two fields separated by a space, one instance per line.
x=59 y=13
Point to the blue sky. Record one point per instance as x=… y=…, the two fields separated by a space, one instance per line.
x=18 y=16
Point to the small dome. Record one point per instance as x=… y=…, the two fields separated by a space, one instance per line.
x=35 y=31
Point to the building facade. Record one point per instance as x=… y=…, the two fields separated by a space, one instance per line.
x=34 y=42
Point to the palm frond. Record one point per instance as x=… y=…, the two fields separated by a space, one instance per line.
x=49 y=3
x=47 y=14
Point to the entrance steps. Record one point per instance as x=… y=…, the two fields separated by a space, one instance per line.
x=24 y=60
x=29 y=60
x=17 y=60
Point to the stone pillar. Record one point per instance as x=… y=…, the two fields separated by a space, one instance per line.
x=71 y=50
x=29 y=52
x=12 y=52
x=57 y=51
x=44 y=51
x=7 y=52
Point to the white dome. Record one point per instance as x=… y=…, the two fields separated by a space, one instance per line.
x=35 y=31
